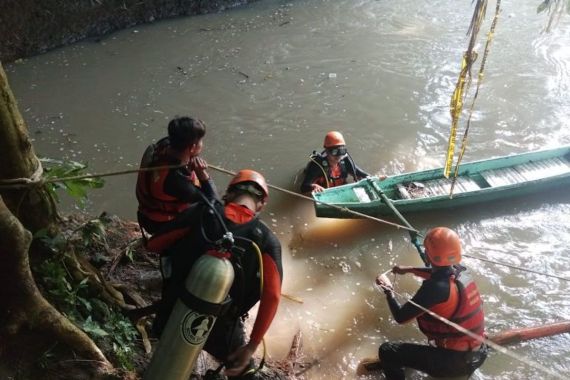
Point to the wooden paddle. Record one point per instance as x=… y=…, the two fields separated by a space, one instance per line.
x=414 y=233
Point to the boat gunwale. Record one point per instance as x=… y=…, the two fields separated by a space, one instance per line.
x=390 y=183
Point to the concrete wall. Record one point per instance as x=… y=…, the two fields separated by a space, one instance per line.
x=29 y=27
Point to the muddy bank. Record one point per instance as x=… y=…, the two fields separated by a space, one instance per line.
x=97 y=274
x=29 y=27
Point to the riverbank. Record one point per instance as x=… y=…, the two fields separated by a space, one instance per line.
x=111 y=304
x=30 y=27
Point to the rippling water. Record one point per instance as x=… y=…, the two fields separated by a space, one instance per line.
x=270 y=80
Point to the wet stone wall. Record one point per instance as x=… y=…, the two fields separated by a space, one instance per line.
x=29 y=27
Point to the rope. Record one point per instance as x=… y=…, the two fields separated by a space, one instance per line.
x=463 y=82
x=479 y=80
x=34 y=178
x=34 y=181
x=481 y=339
x=18 y=183
x=410 y=228
x=517 y=267
x=343 y=209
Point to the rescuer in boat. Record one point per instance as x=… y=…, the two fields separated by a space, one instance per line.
x=245 y=197
x=449 y=291
x=331 y=167
x=165 y=195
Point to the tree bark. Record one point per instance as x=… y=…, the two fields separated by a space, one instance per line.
x=24 y=311
x=31 y=206
x=27 y=320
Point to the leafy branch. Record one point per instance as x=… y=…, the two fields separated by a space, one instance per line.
x=76 y=188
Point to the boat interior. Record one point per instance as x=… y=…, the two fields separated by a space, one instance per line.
x=529 y=171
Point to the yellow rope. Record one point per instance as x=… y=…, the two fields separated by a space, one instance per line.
x=456 y=107
x=479 y=80
x=463 y=81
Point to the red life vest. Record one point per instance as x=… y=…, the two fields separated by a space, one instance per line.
x=154 y=203
x=464 y=307
x=336 y=176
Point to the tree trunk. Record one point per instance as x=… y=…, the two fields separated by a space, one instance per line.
x=24 y=312
x=31 y=206
x=29 y=325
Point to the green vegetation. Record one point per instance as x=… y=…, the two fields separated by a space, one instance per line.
x=104 y=323
x=76 y=187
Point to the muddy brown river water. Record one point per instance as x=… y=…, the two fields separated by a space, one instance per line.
x=270 y=79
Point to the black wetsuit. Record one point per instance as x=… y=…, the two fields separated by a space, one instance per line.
x=228 y=332
x=314 y=172
x=436 y=361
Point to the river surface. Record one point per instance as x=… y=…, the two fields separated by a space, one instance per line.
x=270 y=79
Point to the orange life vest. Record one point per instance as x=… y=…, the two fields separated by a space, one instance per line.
x=336 y=175
x=464 y=307
x=154 y=203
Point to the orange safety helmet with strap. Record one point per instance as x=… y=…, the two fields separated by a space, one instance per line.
x=154 y=203
x=248 y=175
x=333 y=138
x=463 y=306
x=443 y=247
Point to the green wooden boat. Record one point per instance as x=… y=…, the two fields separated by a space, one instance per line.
x=477 y=182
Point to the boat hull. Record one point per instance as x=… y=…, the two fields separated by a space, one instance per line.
x=478 y=182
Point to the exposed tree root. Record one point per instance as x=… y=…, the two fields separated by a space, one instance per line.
x=24 y=311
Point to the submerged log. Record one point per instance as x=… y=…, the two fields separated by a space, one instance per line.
x=528 y=333
x=371 y=366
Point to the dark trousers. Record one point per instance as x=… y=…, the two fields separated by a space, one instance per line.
x=437 y=362
x=227 y=335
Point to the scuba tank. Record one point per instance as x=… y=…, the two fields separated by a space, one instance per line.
x=204 y=299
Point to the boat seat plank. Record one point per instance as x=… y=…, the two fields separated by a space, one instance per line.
x=502 y=177
x=441 y=186
x=526 y=172
x=543 y=169
x=362 y=195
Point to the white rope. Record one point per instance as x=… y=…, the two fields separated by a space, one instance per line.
x=343 y=209
x=501 y=349
x=222 y=170
x=36 y=179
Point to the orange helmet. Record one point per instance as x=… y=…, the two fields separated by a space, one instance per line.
x=248 y=175
x=334 y=138
x=443 y=246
